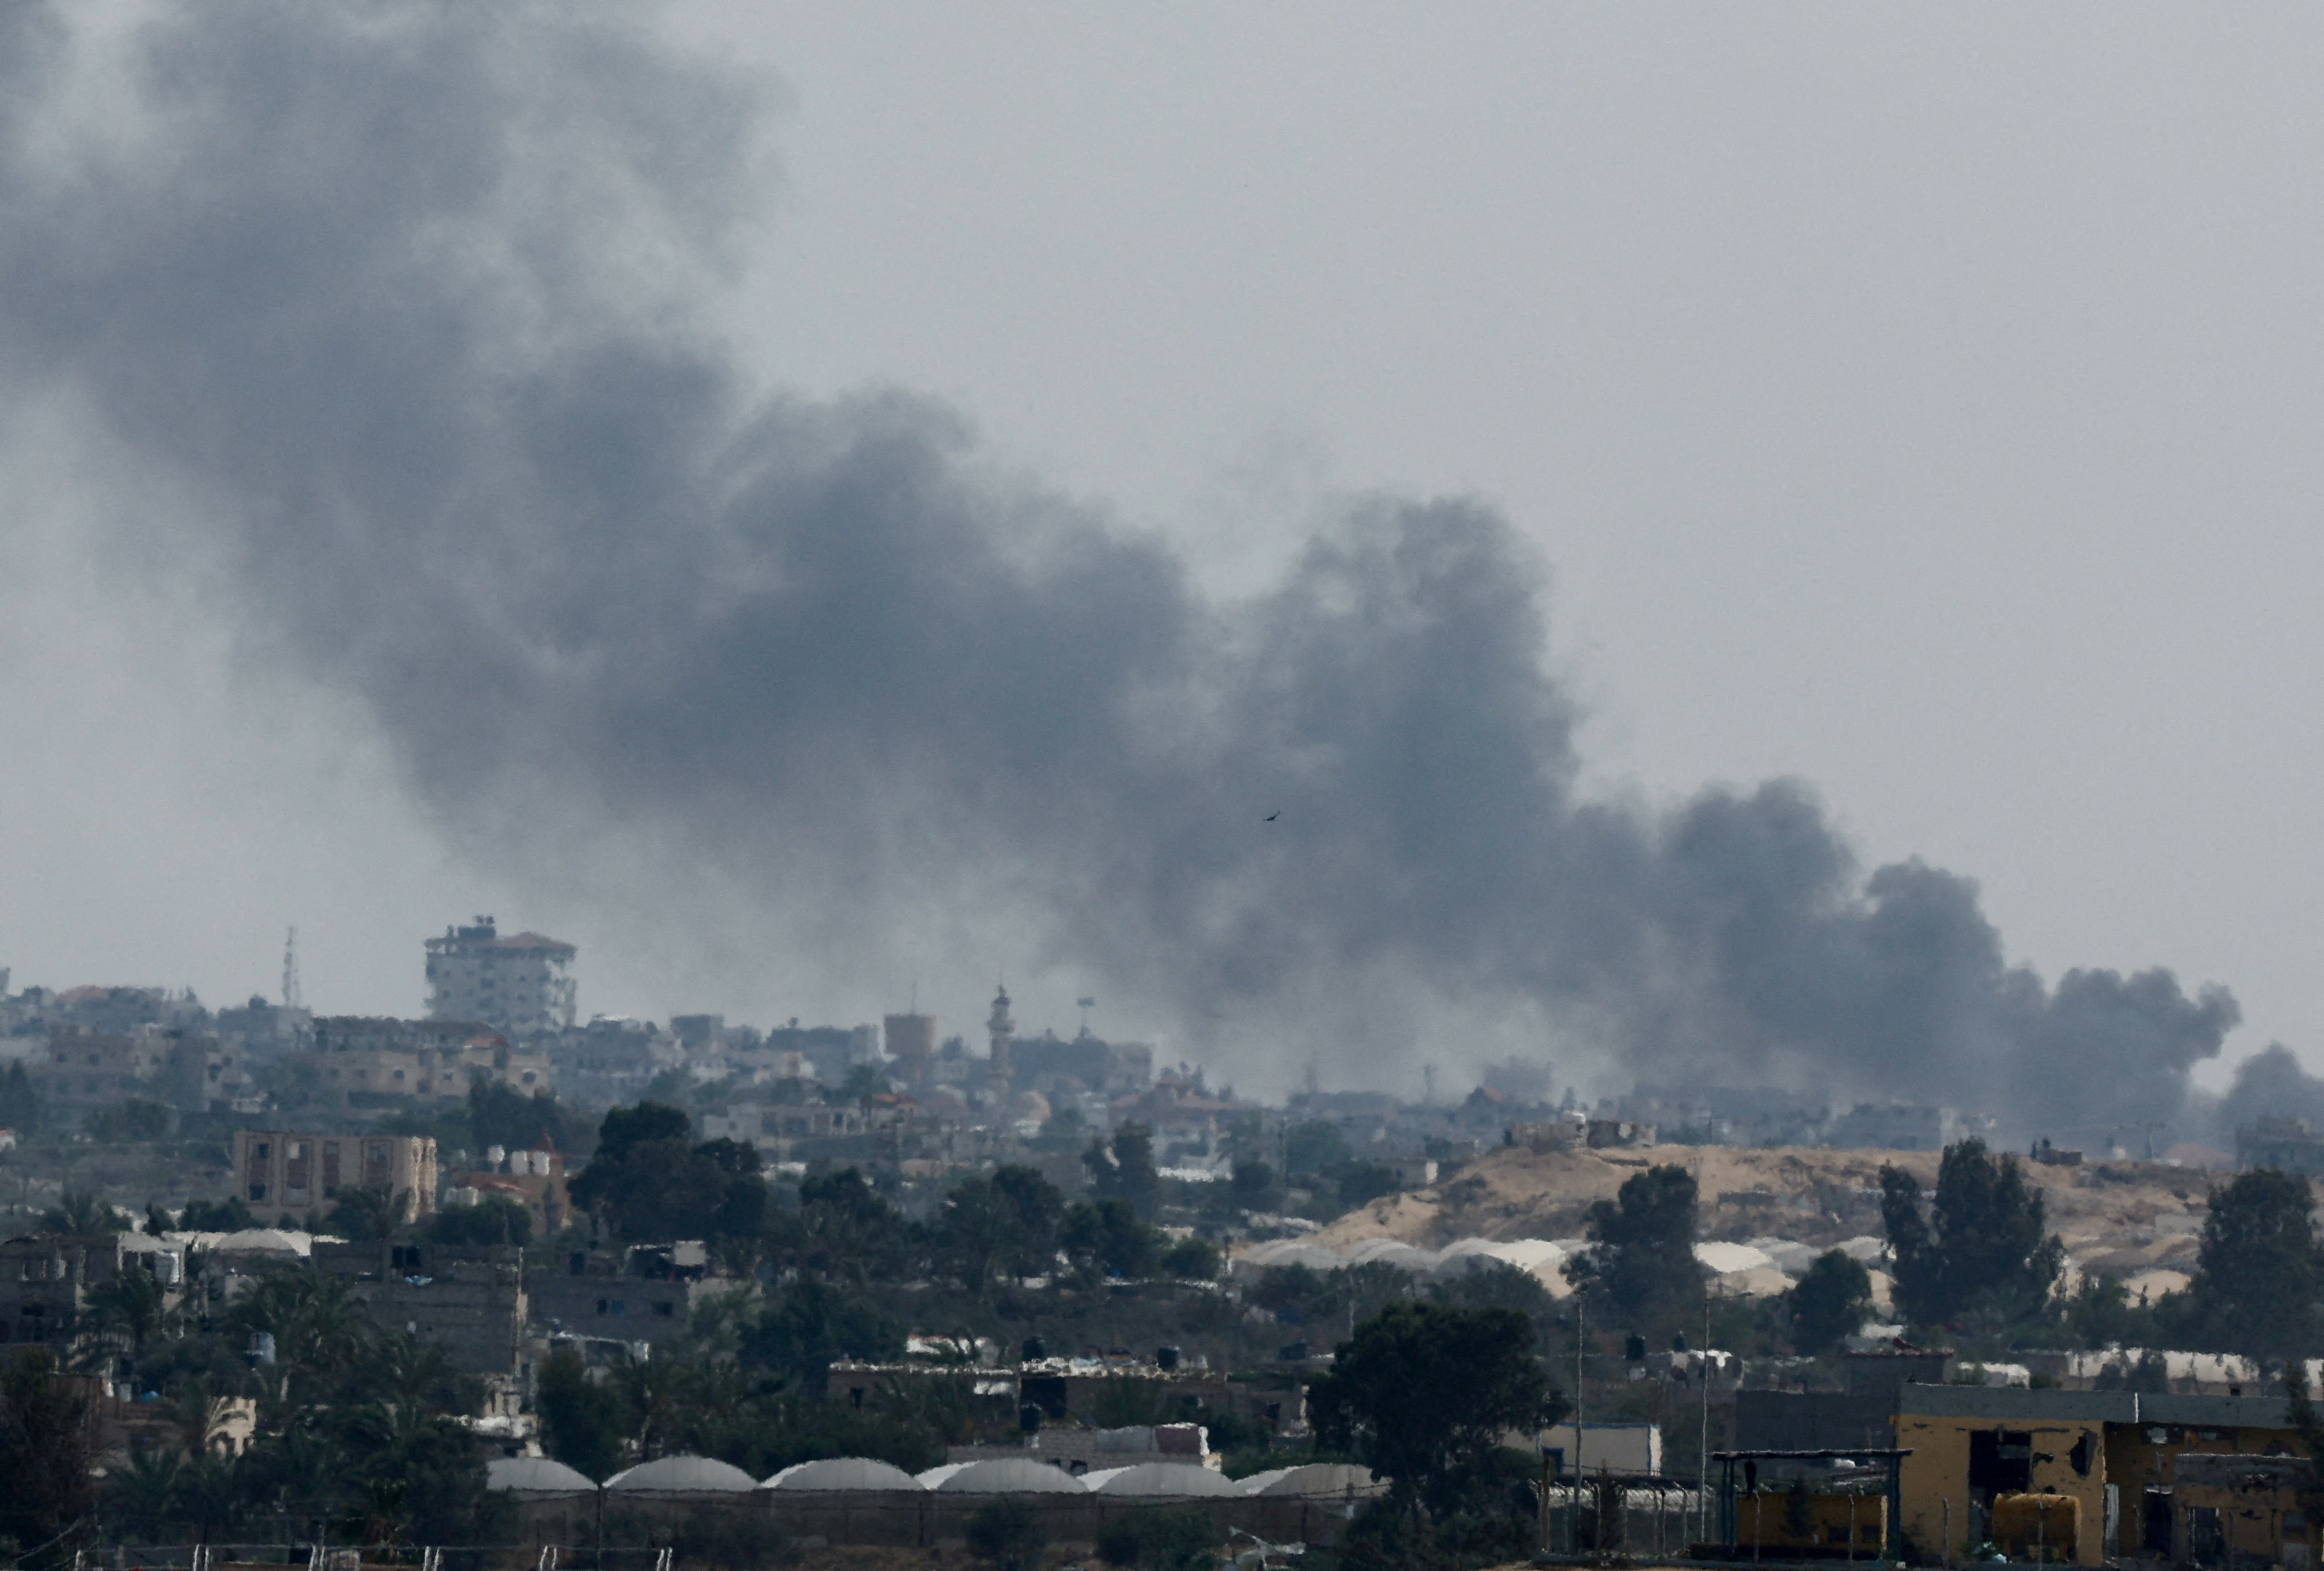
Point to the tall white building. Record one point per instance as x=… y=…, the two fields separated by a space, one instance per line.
x=521 y=983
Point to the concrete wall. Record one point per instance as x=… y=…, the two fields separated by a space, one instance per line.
x=901 y=1518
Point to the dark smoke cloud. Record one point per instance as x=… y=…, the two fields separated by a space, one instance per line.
x=393 y=298
x=2272 y=1084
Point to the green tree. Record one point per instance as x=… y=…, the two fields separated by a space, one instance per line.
x=22 y=1107
x=1006 y=1533
x=1038 y=1208
x=978 y=1234
x=496 y=1219
x=1982 y=1250
x=134 y=1121
x=319 y=1328
x=368 y=1216
x=1156 y=1538
x=227 y=1216
x=647 y=1183
x=140 y=1497
x=1312 y=1149
x=130 y=1301
x=82 y=1217
x=581 y=1419
x=1828 y=1302
x=1253 y=1184
x=1643 y=1273
x=44 y=1455
x=864 y=1082
x=812 y=1325
x=2259 y=1274
x=1123 y=1168
x=1190 y=1260
x=1425 y=1391
x=1105 y=1238
x=501 y=1115
x=1361 y=1181
x=1499 y=1284
x=850 y=1231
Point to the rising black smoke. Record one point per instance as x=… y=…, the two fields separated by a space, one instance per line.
x=393 y=298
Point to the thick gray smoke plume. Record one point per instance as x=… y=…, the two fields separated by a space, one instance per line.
x=393 y=298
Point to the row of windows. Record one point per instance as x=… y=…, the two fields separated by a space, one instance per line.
x=663 y=1309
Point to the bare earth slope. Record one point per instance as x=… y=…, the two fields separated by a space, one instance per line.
x=2118 y=1218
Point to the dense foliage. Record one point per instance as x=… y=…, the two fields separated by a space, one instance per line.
x=1425 y=1391
x=2260 y=1273
x=1828 y=1302
x=357 y=1429
x=1981 y=1254
x=1642 y=1274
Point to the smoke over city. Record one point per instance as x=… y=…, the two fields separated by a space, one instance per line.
x=391 y=305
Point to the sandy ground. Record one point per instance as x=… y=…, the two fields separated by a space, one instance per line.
x=2116 y=1218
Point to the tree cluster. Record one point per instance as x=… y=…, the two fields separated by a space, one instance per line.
x=1981 y=1254
x=1423 y=1392
x=357 y=1428
x=1642 y=1273
x=649 y=1182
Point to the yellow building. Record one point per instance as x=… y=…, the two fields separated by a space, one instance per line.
x=2116 y=1455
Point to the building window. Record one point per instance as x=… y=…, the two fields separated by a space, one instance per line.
x=665 y=1310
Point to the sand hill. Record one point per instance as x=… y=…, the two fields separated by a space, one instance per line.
x=2116 y=1218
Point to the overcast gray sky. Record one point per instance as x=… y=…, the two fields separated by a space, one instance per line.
x=1920 y=404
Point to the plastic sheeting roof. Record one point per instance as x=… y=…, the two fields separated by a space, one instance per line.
x=1005 y=1475
x=842 y=1473
x=682 y=1475
x=1337 y=1478
x=536 y=1475
x=1164 y=1480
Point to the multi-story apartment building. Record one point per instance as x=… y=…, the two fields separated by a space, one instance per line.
x=44 y=1284
x=366 y=1064
x=84 y=1070
x=520 y=984
x=472 y=1300
x=282 y=1173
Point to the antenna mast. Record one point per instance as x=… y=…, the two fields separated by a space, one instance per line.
x=291 y=970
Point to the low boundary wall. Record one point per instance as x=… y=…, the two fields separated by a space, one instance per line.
x=920 y=1518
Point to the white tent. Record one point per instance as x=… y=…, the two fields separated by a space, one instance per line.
x=1790 y=1257
x=1538 y=1258
x=1390 y=1252
x=842 y=1473
x=1257 y=1481
x=535 y=1476
x=934 y=1477
x=1289 y=1251
x=1007 y=1476
x=1724 y=1259
x=682 y=1475
x=1323 y=1478
x=1163 y=1479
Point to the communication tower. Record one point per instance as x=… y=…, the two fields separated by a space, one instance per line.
x=290 y=1000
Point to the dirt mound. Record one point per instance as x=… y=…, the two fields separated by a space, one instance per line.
x=2118 y=1218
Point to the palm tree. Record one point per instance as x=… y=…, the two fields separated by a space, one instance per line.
x=198 y=1413
x=82 y=1217
x=410 y=1370
x=368 y=1216
x=318 y=1328
x=143 y=1493
x=205 y=1494
x=656 y=1391
x=131 y=1301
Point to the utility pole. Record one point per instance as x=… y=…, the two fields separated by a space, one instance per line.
x=1702 y=1455
x=1577 y=1385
